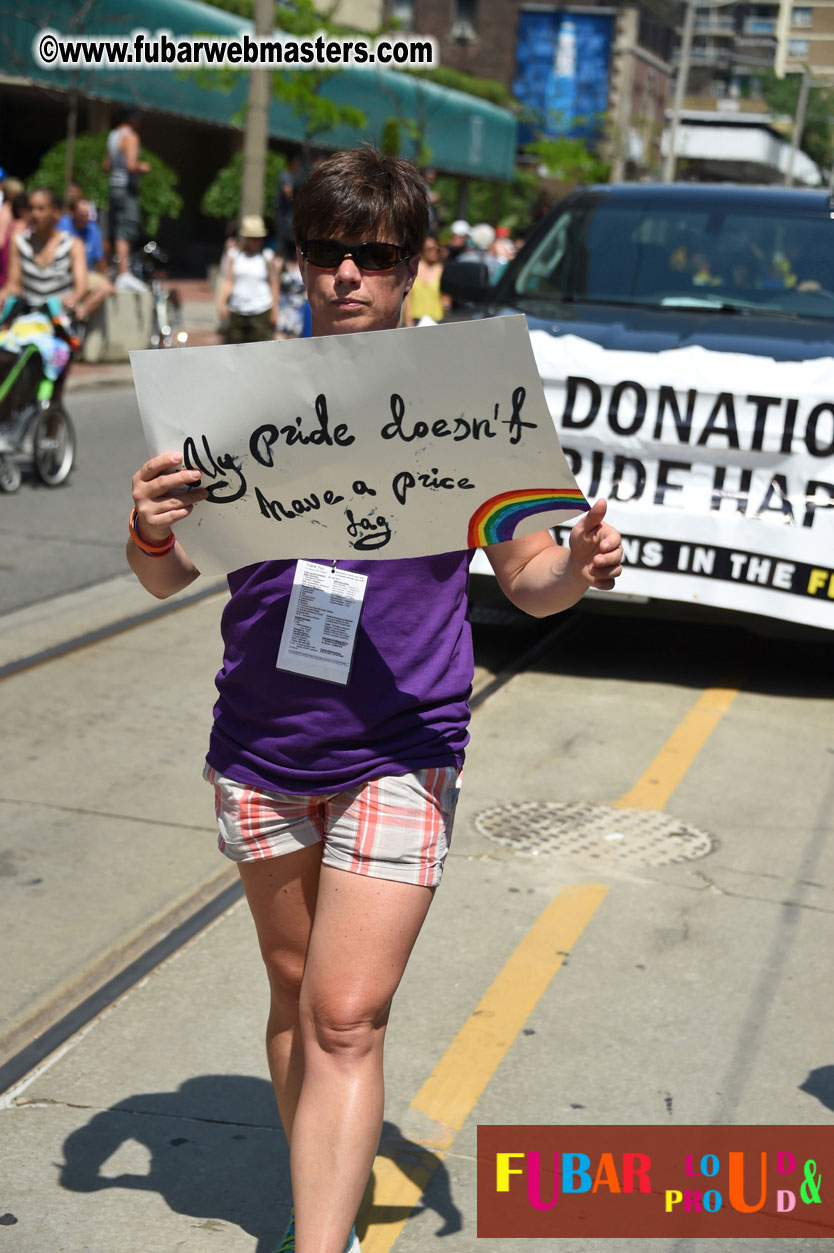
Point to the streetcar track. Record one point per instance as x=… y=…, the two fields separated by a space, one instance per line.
x=109 y=631
x=87 y=812
x=118 y=971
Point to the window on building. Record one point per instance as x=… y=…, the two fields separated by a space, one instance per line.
x=401 y=12
x=802 y=17
x=760 y=26
x=464 y=20
x=798 y=49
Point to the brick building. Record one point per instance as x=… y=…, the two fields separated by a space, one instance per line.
x=487 y=38
x=734 y=43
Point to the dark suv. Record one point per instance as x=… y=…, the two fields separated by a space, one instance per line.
x=645 y=266
x=685 y=337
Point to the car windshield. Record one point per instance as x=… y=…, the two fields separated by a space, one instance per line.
x=677 y=256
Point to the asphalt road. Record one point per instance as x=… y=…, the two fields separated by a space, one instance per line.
x=693 y=991
x=59 y=539
x=690 y=991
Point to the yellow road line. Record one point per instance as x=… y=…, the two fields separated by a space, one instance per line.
x=457 y=1082
x=657 y=784
x=455 y=1086
x=397 y=1190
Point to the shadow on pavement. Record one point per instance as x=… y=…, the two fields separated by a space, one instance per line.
x=820 y=1083
x=693 y=652
x=213 y=1149
x=427 y=1171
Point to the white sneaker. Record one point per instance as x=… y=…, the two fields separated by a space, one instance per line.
x=129 y=282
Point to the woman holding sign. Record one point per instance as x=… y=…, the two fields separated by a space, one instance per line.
x=336 y=771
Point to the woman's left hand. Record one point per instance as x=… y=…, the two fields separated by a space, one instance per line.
x=596 y=549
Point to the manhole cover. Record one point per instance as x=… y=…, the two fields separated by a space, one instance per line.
x=600 y=832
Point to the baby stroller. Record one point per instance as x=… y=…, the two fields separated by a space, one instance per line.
x=35 y=352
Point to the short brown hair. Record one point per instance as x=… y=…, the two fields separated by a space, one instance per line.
x=361 y=190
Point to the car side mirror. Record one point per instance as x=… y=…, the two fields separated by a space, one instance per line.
x=467 y=282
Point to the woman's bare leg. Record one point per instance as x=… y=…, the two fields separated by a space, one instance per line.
x=281 y=893
x=363 y=932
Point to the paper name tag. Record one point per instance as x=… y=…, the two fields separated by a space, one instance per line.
x=319 y=634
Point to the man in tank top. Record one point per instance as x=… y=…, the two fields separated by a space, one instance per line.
x=337 y=799
x=121 y=160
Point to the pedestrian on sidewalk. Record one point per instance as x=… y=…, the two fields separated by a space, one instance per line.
x=247 y=303
x=125 y=167
x=337 y=801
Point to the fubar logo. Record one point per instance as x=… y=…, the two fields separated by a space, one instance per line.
x=679 y=1182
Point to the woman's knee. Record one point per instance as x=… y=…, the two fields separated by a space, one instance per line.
x=285 y=972
x=343 y=1029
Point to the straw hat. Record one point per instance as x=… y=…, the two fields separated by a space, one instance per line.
x=252 y=226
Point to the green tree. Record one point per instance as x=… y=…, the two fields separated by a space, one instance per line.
x=404 y=134
x=301 y=90
x=488 y=89
x=782 y=96
x=243 y=8
x=501 y=204
x=158 y=197
x=221 y=198
x=569 y=161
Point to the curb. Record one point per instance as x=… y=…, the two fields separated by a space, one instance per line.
x=92 y=382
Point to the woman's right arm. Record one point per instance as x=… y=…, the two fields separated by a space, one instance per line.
x=158 y=505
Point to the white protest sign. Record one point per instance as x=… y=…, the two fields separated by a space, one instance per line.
x=717 y=467
x=394 y=443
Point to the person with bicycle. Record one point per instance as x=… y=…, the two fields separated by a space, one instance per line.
x=337 y=799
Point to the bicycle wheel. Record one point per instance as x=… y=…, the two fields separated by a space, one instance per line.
x=10 y=476
x=53 y=445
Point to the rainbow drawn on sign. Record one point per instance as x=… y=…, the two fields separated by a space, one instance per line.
x=497 y=518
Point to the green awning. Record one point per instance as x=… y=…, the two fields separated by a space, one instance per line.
x=464 y=135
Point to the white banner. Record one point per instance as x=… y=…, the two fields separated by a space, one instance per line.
x=719 y=468
x=397 y=444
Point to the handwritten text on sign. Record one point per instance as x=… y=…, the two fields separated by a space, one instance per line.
x=391 y=444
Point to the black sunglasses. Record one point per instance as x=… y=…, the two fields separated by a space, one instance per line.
x=328 y=254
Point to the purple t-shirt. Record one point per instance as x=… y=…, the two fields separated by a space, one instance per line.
x=405 y=707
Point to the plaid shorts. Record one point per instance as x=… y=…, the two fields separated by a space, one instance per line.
x=398 y=827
